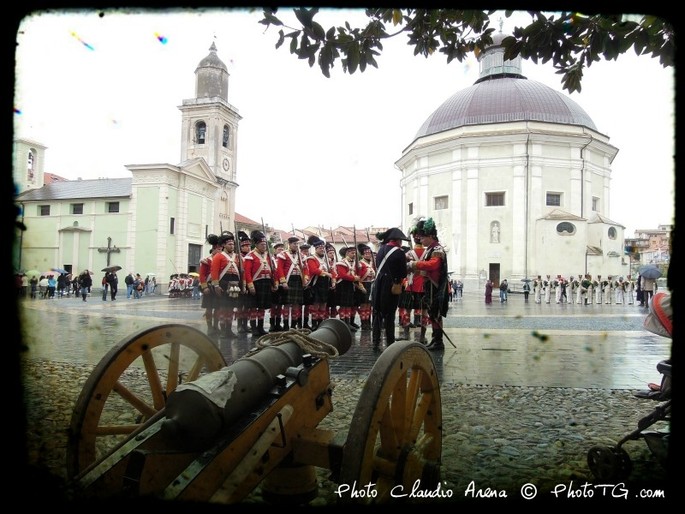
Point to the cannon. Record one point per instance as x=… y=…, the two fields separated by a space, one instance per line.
x=163 y=416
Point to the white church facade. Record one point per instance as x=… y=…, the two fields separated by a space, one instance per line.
x=517 y=178
x=157 y=220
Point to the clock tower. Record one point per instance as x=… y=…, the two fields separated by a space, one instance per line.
x=209 y=130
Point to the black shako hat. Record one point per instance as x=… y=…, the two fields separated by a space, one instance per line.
x=315 y=241
x=242 y=237
x=361 y=248
x=293 y=239
x=343 y=251
x=213 y=239
x=257 y=236
x=226 y=236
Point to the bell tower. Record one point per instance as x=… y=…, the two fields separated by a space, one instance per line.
x=209 y=129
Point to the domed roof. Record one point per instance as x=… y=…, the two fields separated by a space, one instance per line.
x=212 y=60
x=501 y=95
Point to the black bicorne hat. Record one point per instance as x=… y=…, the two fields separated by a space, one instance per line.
x=395 y=233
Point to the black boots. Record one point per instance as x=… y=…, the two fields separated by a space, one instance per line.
x=436 y=343
x=389 y=331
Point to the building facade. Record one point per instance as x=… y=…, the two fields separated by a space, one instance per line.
x=157 y=220
x=517 y=178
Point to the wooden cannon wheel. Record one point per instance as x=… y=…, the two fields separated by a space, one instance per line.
x=143 y=370
x=395 y=437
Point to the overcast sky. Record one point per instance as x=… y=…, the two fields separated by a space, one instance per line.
x=103 y=92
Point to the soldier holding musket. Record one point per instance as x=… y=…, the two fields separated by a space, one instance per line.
x=276 y=311
x=346 y=283
x=321 y=277
x=260 y=282
x=367 y=274
x=226 y=278
x=291 y=279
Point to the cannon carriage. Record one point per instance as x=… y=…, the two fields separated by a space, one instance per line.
x=163 y=416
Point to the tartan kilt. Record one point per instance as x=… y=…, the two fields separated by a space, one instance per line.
x=416 y=300
x=406 y=300
x=345 y=290
x=320 y=290
x=277 y=296
x=360 y=297
x=209 y=301
x=295 y=294
x=262 y=297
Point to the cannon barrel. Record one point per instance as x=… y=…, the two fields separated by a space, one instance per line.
x=198 y=411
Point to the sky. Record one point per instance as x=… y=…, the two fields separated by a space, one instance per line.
x=102 y=92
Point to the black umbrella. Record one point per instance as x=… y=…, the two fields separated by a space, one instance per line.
x=526 y=280
x=111 y=268
x=649 y=271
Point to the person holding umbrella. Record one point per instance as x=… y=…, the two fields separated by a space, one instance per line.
x=649 y=275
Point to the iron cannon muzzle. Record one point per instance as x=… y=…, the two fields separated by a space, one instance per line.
x=197 y=412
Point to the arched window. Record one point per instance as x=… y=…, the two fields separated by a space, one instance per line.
x=200 y=132
x=227 y=133
x=612 y=233
x=566 y=229
x=29 y=166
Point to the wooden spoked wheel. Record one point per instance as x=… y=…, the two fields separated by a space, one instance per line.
x=395 y=438
x=142 y=370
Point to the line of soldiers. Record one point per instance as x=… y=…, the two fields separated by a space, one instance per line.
x=584 y=289
x=292 y=284
x=297 y=287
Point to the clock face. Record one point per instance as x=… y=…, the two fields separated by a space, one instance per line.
x=226 y=164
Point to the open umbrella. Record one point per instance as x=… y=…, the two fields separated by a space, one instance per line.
x=150 y=274
x=59 y=270
x=111 y=268
x=32 y=273
x=526 y=280
x=649 y=271
x=193 y=274
x=48 y=273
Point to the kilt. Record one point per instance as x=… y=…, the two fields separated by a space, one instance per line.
x=295 y=294
x=406 y=300
x=345 y=290
x=262 y=297
x=363 y=297
x=417 y=301
x=209 y=300
x=226 y=301
x=320 y=290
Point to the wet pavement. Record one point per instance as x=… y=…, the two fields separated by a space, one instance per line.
x=516 y=343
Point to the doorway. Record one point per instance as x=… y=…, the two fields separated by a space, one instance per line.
x=493 y=273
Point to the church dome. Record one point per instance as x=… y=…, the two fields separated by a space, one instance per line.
x=501 y=95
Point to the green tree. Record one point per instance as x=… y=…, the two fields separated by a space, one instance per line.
x=570 y=40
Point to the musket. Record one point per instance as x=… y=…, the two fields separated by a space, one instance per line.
x=268 y=253
x=299 y=260
x=236 y=250
x=358 y=285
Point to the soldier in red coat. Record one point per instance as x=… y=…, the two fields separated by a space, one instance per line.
x=291 y=279
x=321 y=275
x=209 y=300
x=260 y=283
x=226 y=277
x=434 y=268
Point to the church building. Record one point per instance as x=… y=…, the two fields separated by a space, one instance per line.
x=517 y=178
x=157 y=220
